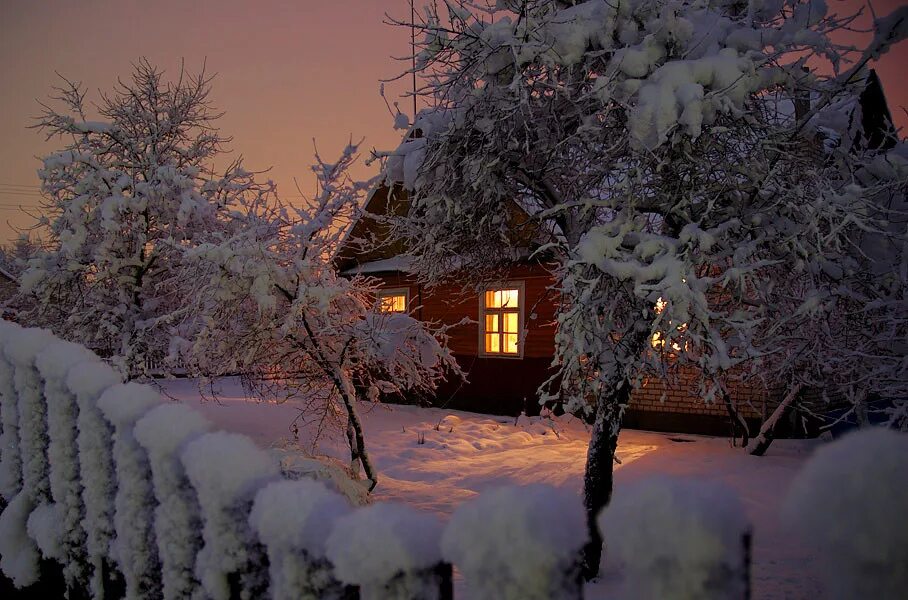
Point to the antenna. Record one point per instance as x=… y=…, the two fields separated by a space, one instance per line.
x=413 y=52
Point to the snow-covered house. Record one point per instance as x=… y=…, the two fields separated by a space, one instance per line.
x=506 y=349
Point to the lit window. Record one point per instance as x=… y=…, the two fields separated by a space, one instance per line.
x=392 y=301
x=501 y=321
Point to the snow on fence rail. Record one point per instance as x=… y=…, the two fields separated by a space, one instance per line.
x=126 y=495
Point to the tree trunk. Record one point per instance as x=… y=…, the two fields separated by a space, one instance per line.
x=598 y=477
x=766 y=435
x=737 y=421
x=354 y=449
x=354 y=426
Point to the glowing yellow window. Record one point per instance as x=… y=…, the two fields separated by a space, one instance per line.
x=392 y=301
x=501 y=321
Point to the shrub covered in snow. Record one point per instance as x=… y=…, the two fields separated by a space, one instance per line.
x=226 y=469
x=850 y=502
x=163 y=431
x=54 y=362
x=518 y=543
x=133 y=546
x=293 y=519
x=389 y=550
x=331 y=472
x=677 y=539
x=96 y=465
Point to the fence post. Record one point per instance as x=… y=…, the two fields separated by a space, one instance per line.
x=25 y=515
x=134 y=546
x=163 y=432
x=293 y=519
x=747 y=549
x=678 y=538
x=390 y=551
x=54 y=362
x=94 y=440
x=10 y=459
x=849 y=501
x=226 y=469
x=519 y=542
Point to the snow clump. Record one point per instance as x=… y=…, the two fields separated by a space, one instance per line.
x=133 y=547
x=163 y=432
x=518 y=542
x=294 y=519
x=379 y=544
x=226 y=469
x=18 y=552
x=677 y=538
x=849 y=501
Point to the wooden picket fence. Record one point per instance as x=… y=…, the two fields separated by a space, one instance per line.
x=108 y=491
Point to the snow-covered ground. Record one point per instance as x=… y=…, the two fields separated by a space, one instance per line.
x=466 y=453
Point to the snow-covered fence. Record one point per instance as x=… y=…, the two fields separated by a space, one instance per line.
x=130 y=495
x=53 y=363
x=226 y=469
x=96 y=473
x=123 y=405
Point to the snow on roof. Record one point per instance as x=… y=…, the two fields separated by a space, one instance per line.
x=396 y=263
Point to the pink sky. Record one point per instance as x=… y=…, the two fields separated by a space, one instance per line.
x=288 y=72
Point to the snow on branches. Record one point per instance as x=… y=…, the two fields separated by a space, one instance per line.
x=272 y=306
x=125 y=197
x=682 y=169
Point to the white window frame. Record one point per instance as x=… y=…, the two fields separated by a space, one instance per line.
x=521 y=311
x=382 y=293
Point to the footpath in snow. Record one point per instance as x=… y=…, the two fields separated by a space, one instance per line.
x=435 y=459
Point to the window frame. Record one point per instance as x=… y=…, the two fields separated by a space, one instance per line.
x=518 y=285
x=405 y=292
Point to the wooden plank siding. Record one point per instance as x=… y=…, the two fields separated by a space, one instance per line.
x=508 y=385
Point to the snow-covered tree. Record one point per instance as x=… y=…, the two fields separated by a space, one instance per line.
x=15 y=255
x=666 y=150
x=125 y=196
x=272 y=306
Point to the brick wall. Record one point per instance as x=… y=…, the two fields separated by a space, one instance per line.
x=656 y=394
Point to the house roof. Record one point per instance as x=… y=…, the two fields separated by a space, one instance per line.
x=398 y=264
